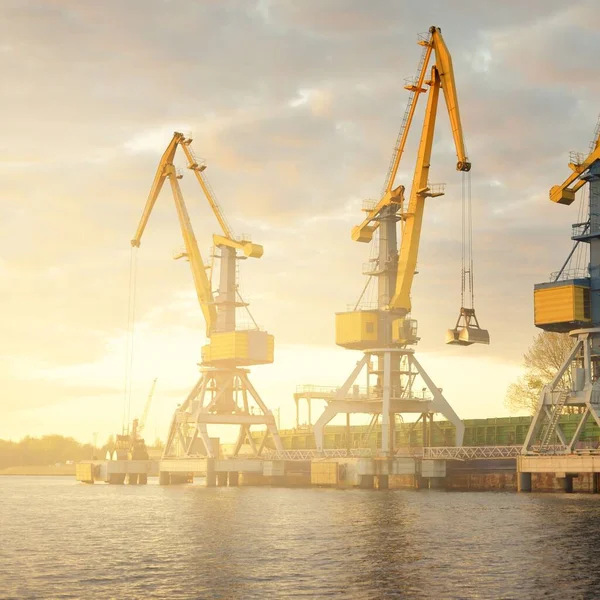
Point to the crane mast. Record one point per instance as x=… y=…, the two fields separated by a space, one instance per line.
x=223 y=394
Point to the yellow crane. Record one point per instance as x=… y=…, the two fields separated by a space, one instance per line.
x=224 y=394
x=385 y=331
x=395 y=275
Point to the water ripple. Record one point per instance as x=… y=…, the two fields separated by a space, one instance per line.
x=60 y=539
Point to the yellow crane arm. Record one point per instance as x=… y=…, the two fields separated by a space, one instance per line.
x=443 y=63
x=434 y=44
x=198 y=168
x=227 y=239
x=157 y=184
x=201 y=281
x=417 y=89
x=565 y=193
x=413 y=217
x=442 y=76
x=202 y=285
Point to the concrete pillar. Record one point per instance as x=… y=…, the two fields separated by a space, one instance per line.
x=179 y=478
x=437 y=483
x=430 y=431
x=164 y=478
x=524 y=482
x=222 y=478
x=348 y=430
x=595 y=483
x=385 y=409
x=234 y=478
x=211 y=474
x=383 y=482
x=366 y=482
x=567 y=482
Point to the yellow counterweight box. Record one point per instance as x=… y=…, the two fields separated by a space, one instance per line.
x=357 y=330
x=239 y=348
x=562 y=305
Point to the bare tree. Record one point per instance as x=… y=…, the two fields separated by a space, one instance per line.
x=542 y=361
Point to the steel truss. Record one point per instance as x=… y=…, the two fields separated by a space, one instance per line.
x=222 y=396
x=584 y=393
x=433 y=452
x=398 y=370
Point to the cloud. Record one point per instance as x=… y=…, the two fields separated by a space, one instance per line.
x=295 y=106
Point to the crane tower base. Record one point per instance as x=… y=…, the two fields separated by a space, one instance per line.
x=222 y=396
x=397 y=373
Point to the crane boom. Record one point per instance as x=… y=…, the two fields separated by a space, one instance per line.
x=227 y=239
x=446 y=73
x=565 y=193
x=417 y=88
x=165 y=170
x=413 y=218
x=434 y=44
x=198 y=168
x=157 y=184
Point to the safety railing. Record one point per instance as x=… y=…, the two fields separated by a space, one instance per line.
x=437 y=453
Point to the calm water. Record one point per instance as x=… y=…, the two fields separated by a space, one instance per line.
x=60 y=539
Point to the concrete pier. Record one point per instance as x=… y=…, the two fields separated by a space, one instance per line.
x=524 y=482
x=562 y=472
x=567 y=473
x=116 y=472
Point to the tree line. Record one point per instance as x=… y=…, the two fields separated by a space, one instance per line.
x=45 y=450
x=51 y=449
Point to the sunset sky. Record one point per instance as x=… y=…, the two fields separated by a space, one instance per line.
x=295 y=106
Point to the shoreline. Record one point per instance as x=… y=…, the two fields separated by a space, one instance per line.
x=39 y=470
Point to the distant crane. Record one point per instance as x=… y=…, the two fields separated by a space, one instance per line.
x=385 y=332
x=138 y=425
x=223 y=393
x=131 y=445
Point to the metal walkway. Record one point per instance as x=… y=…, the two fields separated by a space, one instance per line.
x=435 y=452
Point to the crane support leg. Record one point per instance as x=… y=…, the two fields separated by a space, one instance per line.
x=188 y=435
x=401 y=388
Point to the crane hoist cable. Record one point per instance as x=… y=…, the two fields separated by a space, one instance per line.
x=467 y=296
x=130 y=337
x=467 y=330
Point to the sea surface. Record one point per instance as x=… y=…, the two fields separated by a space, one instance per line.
x=61 y=539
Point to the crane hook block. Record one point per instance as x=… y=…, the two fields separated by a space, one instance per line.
x=463 y=166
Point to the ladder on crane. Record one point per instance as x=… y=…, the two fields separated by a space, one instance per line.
x=411 y=85
x=550 y=428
